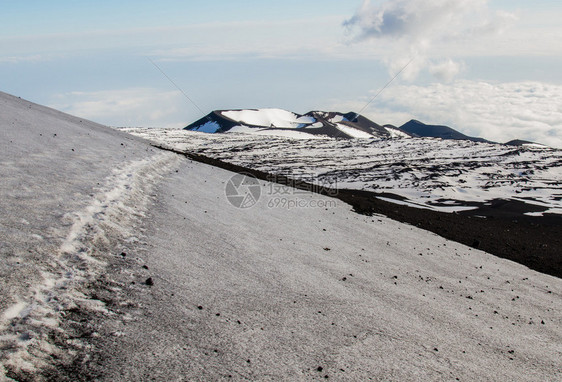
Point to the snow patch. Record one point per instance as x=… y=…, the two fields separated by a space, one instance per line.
x=395 y=133
x=268 y=118
x=338 y=118
x=14 y=311
x=243 y=129
x=294 y=134
x=352 y=132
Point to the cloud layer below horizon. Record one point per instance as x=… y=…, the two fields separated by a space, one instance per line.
x=498 y=112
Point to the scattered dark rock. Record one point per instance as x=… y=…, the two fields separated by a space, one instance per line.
x=326 y=249
x=319 y=368
x=123 y=254
x=200 y=307
x=149 y=281
x=145 y=266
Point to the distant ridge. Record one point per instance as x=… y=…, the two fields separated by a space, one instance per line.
x=522 y=143
x=518 y=142
x=282 y=122
x=321 y=123
x=419 y=129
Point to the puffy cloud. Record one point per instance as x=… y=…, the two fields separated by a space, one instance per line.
x=499 y=112
x=134 y=107
x=425 y=29
x=416 y=19
x=446 y=70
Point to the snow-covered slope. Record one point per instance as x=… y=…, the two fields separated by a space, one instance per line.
x=321 y=124
x=278 y=122
x=269 y=117
x=445 y=175
x=314 y=124
x=70 y=193
x=297 y=287
x=121 y=262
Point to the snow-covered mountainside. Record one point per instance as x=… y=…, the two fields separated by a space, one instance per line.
x=124 y=262
x=278 y=122
x=445 y=175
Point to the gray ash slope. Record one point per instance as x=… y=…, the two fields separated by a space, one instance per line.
x=71 y=192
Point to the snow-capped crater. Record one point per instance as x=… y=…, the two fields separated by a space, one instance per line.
x=275 y=118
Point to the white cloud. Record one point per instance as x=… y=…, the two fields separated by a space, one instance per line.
x=446 y=70
x=426 y=30
x=499 y=112
x=144 y=107
x=416 y=19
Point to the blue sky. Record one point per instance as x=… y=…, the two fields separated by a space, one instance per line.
x=488 y=68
